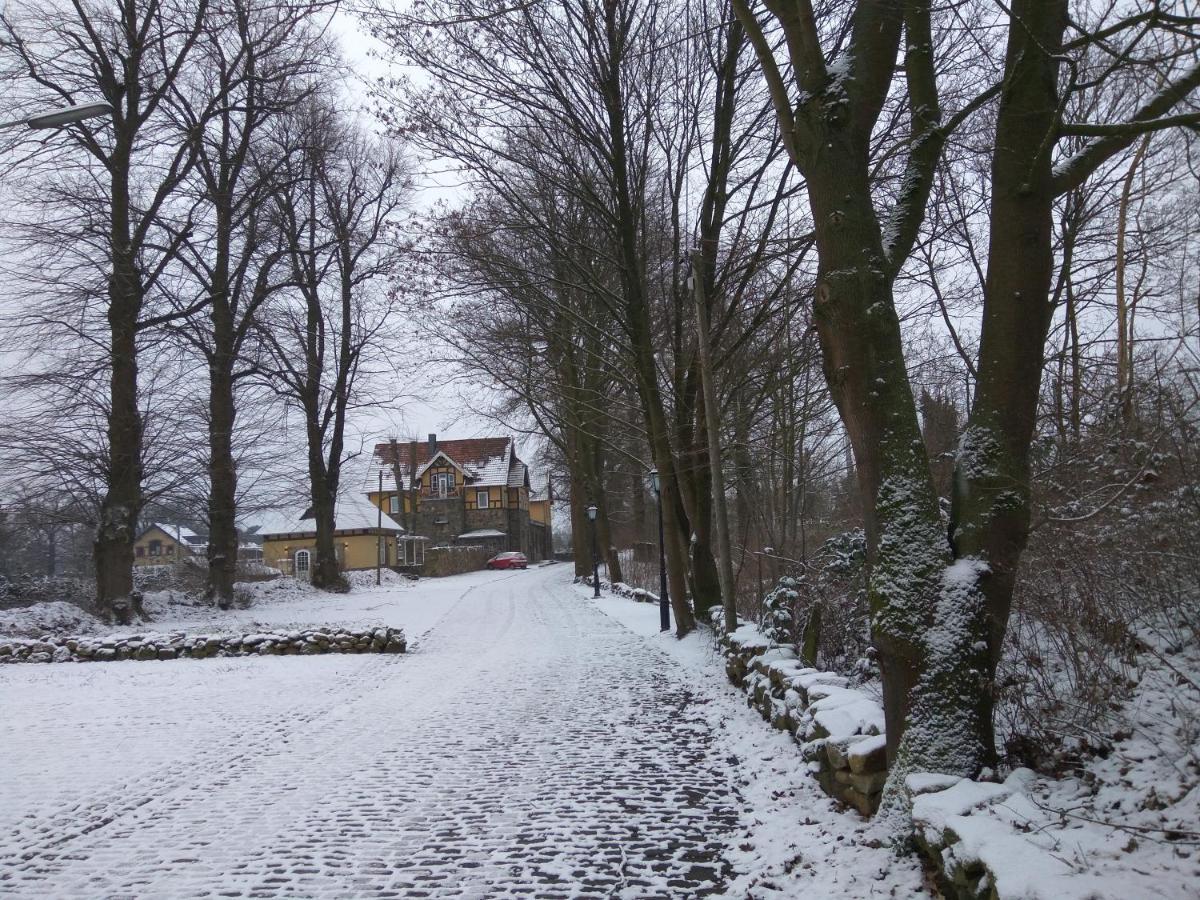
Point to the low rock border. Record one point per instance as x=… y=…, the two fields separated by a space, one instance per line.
x=180 y=645
x=839 y=729
x=621 y=589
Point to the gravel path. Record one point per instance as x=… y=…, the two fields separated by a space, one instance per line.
x=527 y=747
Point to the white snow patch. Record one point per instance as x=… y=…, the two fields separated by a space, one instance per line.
x=55 y=617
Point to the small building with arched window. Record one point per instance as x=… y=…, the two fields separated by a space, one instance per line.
x=362 y=537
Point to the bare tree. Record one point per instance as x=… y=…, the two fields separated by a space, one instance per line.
x=129 y=52
x=643 y=118
x=329 y=336
x=255 y=62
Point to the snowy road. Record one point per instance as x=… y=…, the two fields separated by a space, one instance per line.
x=531 y=745
x=528 y=745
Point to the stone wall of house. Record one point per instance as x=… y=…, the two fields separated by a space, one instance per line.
x=539 y=542
x=179 y=645
x=514 y=522
x=454 y=560
x=518 y=533
x=492 y=517
x=441 y=518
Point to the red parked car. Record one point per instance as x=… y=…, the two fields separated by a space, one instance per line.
x=509 y=560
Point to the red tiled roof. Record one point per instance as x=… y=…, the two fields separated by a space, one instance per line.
x=473 y=452
x=487 y=461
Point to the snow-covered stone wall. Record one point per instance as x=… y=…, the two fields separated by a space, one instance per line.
x=621 y=589
x=179 y=645
x=839 y=729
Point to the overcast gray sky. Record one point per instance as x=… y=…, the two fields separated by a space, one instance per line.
x=432 y=406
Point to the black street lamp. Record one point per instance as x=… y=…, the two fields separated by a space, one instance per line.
x=664 y=602
x=591 y=511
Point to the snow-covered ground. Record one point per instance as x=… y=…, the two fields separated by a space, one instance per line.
x=792 y=840
x=279 y=604
x=533 y=741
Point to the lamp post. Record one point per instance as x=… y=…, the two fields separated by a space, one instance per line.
x=380 y=546
x=664 y=602
x=591 y=513
x=57 y=118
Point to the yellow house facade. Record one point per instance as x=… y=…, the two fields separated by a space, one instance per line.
x=162 y=544
x=363 y=537
x=473 y=491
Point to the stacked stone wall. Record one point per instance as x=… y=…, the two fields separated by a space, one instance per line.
x=837 y=727
x=180 y=645
x=442 y=518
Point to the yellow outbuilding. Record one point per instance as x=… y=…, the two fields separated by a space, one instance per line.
x=363 y=535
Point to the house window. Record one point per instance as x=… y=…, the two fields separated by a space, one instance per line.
x=443 y=484
x=394 y=504
x=156 y=548
x=481 y=499
x=302 y=562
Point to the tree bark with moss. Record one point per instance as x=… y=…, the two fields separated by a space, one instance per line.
x=940 y=601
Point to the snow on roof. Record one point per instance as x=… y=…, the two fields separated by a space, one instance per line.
x=180 y=533
x=518 y=473
x=353 y=512
x=487 y=462
x=482 y=533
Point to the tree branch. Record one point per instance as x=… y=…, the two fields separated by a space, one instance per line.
x=1075 y=171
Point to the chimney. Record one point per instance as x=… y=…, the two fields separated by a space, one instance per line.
x=432 y=445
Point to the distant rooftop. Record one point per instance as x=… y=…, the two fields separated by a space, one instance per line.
x=353 y=512
x=486 y=462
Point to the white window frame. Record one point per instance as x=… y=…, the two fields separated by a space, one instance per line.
x=443 y=484
x=481 y=499
x=307 y=565
x=394 y=504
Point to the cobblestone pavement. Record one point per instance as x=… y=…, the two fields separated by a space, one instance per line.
x=528 y=747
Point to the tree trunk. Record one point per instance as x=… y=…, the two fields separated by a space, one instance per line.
x=414 y=493
x=705 y=578
x=581 y=548
x=326 y=572
x=676 y=550
x=608 y=552
x=593 y=459
x=51 y=551
x=398 y=478
x=637 y=503
x=222 y=472
x=1124 y=309
x=990 y=511
x=864 y=366
x=634 y=295
x=122 y=502
x=712 y=434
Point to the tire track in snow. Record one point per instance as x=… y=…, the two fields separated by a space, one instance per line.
x=212 y=763
x=530 y=747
